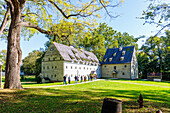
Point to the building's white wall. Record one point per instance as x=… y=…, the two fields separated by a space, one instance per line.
x=76 y=69
x=134 y=66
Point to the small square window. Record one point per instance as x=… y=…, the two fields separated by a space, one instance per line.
x=55 y=75
x=114 y=67
x=66 y=67
x=71 y=67
x=125 y=66
x=55 y=67
x=123 y=73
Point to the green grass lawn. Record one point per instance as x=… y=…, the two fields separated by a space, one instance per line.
x=88 y=97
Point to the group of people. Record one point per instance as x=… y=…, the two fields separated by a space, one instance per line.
x=79 y=79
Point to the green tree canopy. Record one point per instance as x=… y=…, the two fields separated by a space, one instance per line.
x=157 y=49
x=31 y=64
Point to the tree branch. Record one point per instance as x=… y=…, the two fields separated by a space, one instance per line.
x=30 y=25
x=105 y=7
x=5 y=21
x=71 y=15
x=161 y=29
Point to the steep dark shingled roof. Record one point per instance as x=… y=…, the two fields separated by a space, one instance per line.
x=116 y=59
x=70 y=53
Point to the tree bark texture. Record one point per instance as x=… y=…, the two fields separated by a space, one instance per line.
x=14 y=53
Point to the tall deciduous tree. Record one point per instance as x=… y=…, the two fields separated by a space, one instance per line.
x=98 y=40
x=31 y=64
x=157 y=49
x=30 y=16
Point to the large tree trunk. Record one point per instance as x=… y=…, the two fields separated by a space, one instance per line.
x=14 y=54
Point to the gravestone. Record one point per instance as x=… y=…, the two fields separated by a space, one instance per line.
x=1 y=73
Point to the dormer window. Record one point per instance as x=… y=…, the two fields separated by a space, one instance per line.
x=121 y=58
x=123 y=52
x=105 y=59
x=114 y=54
x=110 y=59
x=120 y=49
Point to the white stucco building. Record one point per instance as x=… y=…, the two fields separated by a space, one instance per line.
x=60 y=60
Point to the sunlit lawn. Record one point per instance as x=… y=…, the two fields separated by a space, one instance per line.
x=88 y=97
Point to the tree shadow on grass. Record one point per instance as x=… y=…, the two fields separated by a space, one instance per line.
x=79 y=101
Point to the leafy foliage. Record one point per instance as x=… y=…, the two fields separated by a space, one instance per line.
x=32 y=63
x=159 y=14
x=98 y=40
x=157 y=50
